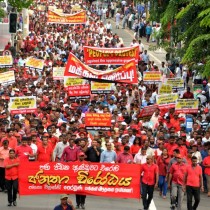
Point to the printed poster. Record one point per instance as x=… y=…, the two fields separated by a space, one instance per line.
x=99 y=179
x=22 y=105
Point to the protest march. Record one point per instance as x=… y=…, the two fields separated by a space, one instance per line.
x=82 y=113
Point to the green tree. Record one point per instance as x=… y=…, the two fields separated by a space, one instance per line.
x=20 y=4
x=186 y=22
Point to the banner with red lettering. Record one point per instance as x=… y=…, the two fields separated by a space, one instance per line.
x=79 y=91
x=125 y=74
x=110 y=180
x=106 y=56
x=148 y=111
x=63 y=18
x=98 y=121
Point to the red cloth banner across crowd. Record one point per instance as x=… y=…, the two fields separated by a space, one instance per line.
x=79 y=91
x=148 y=111
x=62 y=18
x=125 y=74
x=110 y=180
x=105 y=56
x=98 y=121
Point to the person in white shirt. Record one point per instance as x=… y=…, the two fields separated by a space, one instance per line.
x=206 y=138
x=108 y=27
x=60 y=146
x=149 y=151
x=178 y=72
x=117 y=18
x=141 y=46
x=34 y=149
x=140 y=157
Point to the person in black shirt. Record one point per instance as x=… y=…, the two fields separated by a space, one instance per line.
x=93 y=153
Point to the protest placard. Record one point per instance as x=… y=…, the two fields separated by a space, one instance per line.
x=176 y=83
x=22 y=105
x=187 y=106
x=152 y=77
x=58 y=73
x=98 y=121
x=7 y=78
x=164 y=89
x=100 y=87
x=167 y=100
x=6 y=61
x=79 y=91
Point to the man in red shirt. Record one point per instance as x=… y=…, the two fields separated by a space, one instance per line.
x=188 y=94
x=194 y=183
x=70 y=153
x=11 y=177
x=206 y=164
x=24 y=151
x=181 y=147
x=177 y=174
x=149 y=181
x=171 y=145
x=125 y=156
x=44 y=151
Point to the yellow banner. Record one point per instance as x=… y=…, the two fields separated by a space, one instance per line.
x=63 y=18
x=71 y=81
x=152 y=76
x=187 y=106
x=22 y=105
x=100 y=87
x=6 y=61
x=58 y=73
x=7 y=78
x=165 y=89
x=34 y=63
x=176 y=83
x=167 y=99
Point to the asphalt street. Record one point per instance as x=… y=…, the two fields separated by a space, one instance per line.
x=48 y=202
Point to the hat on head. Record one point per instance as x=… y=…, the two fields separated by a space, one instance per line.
x=123 y=123
x=64 y=196
x=81 y=154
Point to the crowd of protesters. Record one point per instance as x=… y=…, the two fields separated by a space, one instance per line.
x=56 y=131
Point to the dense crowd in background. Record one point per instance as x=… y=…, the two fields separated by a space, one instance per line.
x=56 y=131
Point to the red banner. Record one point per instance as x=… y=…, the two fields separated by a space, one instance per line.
x=62 y=18
x=125 y=74
x=148 y=111
x=79 y=91
x=110 y=180
x=105 y=56
x=98 y=121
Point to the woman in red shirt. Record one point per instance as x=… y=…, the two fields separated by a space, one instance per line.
x=136 y=146
x=162 y=162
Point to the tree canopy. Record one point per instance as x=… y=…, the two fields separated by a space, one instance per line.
x=186 y=22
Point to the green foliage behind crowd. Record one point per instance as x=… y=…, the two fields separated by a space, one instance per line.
x=187 y=23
